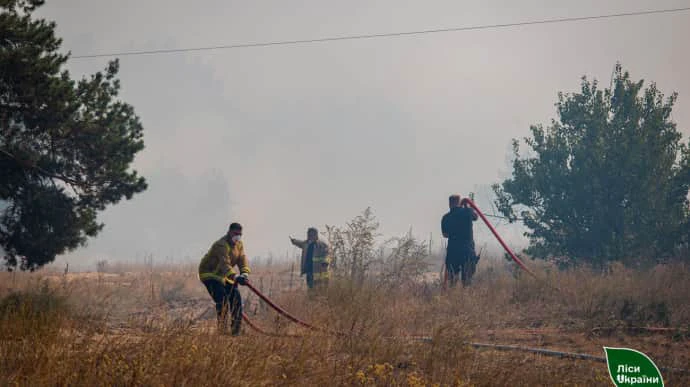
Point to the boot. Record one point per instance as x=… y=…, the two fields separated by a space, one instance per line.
x=236 y=325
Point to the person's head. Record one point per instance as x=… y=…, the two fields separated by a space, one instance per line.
x=235 y=232
x=454 y=201
x=312 y=234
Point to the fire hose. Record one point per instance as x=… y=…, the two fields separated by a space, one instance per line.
x=287 y=314
x=498 y=237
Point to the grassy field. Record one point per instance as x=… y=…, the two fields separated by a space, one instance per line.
x=154 y=326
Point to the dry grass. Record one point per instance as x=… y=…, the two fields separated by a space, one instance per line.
x=139 y=326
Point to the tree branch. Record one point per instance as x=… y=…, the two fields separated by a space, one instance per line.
x=32 y=165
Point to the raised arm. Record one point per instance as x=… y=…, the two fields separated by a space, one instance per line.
x=298 y=242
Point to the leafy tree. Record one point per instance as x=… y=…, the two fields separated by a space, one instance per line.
x=608 y=181
x=65 y=146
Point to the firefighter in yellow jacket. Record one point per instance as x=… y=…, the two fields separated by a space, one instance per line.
x=315 y=259
x=217 y=274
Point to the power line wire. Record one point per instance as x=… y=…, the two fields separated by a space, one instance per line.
x=382 y=35
x=502 y=217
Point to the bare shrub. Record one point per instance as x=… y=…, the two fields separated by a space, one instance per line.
x=353 y=247
x=407 y=260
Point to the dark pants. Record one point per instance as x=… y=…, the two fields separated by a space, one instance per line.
x=310 y=279
x=461 y=261
x=227 y=298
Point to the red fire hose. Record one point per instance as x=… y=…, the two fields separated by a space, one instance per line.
x=287 y=314
x=498 y=237
x=264 y=332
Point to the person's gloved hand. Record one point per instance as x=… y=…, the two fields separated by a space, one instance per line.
x=242 y=279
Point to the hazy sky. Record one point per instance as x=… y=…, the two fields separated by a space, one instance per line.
x=280 y=138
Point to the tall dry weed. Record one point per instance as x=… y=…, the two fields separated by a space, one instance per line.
x=111 y=332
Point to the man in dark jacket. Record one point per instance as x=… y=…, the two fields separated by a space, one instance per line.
x=456 y=225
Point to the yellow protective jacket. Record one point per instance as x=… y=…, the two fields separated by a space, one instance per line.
x=321 y=258
x=218 y=263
